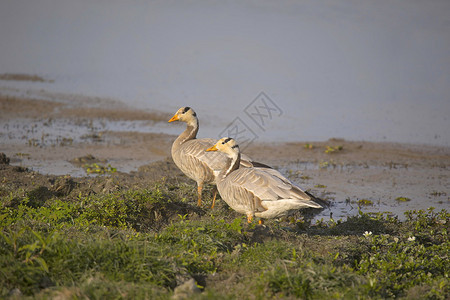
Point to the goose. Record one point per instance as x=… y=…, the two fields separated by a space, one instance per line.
x=189 y=154
x=261 y=192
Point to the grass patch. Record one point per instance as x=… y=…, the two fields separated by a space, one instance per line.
x=320 y=186
x=402 y=199
x=142 y=243
x=99 y=169
x=333 y=149
x=364 y=202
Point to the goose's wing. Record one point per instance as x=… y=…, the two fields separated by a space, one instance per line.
x=261 y=183
x=247 y=162
x=235 y=191
x=266 y=184
x=295 y=191
x=194 y=151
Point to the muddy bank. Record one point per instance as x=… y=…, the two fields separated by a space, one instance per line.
x=46 y=135
x=51 y=138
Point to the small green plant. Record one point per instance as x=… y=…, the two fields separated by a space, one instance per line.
x=236 y=225
x=20 y=154
x=364 y=202
x=320 y=186
x=333 y=149
x=33 y=142
x=402 y=199
x=327 y=164
x=99 y=169
x=308 y=146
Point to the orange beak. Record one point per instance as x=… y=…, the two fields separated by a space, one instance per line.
x=174 y=118
x=213 y=148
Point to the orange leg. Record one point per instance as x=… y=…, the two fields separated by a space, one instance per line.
x=214 y=198
x=249 y=218
x=199 y=190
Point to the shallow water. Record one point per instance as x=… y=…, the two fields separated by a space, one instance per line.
x=347 y=187
x=375 y=70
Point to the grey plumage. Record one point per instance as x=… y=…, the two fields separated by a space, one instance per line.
x=261 y=192
x=190 y=156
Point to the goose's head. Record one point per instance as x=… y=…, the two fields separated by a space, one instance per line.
x=226 y=145
x=185 y=114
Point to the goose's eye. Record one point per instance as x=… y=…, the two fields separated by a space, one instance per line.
x=223 y=143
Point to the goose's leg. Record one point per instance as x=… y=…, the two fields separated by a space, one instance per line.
x=199 y=190
x=214 y=198
x=249 y=217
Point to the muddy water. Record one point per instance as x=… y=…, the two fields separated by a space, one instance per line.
x=47 y=143
x=390 y=187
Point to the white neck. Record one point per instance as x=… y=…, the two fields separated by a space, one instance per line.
x=189 y=134
x=233 y=164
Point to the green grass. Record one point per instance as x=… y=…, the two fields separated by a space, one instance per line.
x=333 y=149
x=402 y=199
x=143 y=243
x=363 y=202
x=99 y=169
x=320 y=186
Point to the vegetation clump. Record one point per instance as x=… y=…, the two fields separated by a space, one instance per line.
x=364 y=202
x=402 y=199
x=333 y=149
x=96 y=168
x=144 y=242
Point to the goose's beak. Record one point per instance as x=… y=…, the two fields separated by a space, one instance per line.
x=174 y=118
x=213 y=148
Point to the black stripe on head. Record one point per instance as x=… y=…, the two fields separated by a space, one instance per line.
x=185 y=109
x=235 y=146
x=226 y=141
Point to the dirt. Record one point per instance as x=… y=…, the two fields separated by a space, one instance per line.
x=47 y=145
x=23 y=77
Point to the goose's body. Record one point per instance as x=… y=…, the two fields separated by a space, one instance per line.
x=191 y=160
x=260 y=192
x=190 y=156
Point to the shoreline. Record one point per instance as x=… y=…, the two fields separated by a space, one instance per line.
x=52 y=138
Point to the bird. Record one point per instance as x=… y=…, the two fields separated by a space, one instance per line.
x=190 y=156
x=261 y=192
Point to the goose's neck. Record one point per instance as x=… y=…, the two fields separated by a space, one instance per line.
x=189 y=134
x=232 y=164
